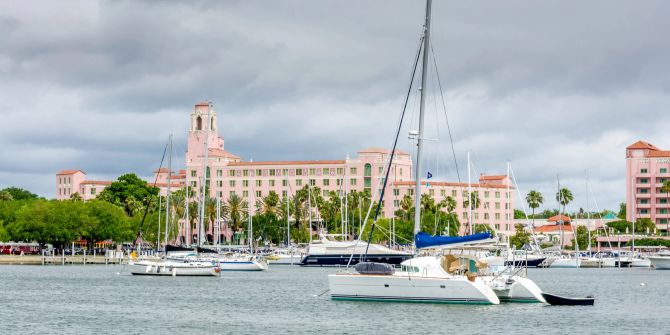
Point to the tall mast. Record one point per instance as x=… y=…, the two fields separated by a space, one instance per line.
x=167 y=201
x=634 y=212
x=158 y=234
x=508 y=200
x=201 y=227
x=309 y=209
x=560 y=221
x=188 y=229
x=218 y=220
x=251 y=220
x=588 y=212
x=419 y=142
x=470 y=221
x=288 y=223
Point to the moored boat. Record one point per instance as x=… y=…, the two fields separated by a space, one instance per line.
x=173 y=268
x=660 y=262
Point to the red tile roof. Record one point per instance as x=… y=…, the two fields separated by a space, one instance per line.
x=495 y=177
x=69 y=172
x=161 y=170
x=557 y=218
x=553 y=228
x=202 y=103
x=377 y=150
x=221 y=153
x=444 y=183
x=642 y=145
x=95 y=182
x=287 y=162
x=165 y=185
x=658 y=153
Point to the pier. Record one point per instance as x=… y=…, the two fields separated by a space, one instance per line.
x=110 y=257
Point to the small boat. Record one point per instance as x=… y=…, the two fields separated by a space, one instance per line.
x=660 y=262
x=553 y=299
x=173 y=268
x=242 y=263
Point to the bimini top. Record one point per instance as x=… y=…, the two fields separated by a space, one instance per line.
x=423 y=240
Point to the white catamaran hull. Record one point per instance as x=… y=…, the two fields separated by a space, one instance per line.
x=410 y=288
x=660 y=262
x=514 y=289
x=640 y=263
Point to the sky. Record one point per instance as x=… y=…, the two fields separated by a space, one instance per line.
x=555 y=88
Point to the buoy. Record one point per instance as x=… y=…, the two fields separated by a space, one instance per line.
x=643 y=284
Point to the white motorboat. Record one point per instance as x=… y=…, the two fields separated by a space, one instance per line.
x=660 y=261
x=638 y=262
x=242 y=263
x=285 y=257
x=566 y=262
x=173 y=268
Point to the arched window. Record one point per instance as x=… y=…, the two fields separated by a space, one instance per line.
x=368 y=170
x=211 y=124
x=198 y=123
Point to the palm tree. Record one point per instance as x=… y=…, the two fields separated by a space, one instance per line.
x=564 y=197
x=76 y=197
x=269 y=204
x=450 y=204
x=6 y=196
x=406 y=206
x=474 y=199
x=534 y=200
x=236 y=208
x=666 y=189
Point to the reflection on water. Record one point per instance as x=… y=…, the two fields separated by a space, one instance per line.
x=86 y=299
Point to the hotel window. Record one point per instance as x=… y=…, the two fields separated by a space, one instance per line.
x=644 y=211
x=326 y=182
x=486 y=216
x=486 y=205
x=220 y=194
x=644 y=201
x=194 y=184
x=497 y=205
x=506 y=206
x=193 y=173
x=431 y=192
x=232 y=193
x=497 y=226
x=298 y=172
x=396 y=203
x=381 y=169
x=663 y=211
x=219 y=173
x=443 y=192
x=284 y=183
x=245 y=183
x=93 y=190
x=464 y=194
x=454 y=193
x=644 y=181
x=59 y=191
x=340 y=171
x=643 y=170
x=476 y=216
x=643 y=190
x=352 y=170
x=401 y=171
x=272 y=182
x=326 y=171
x=284 y=172
x=486 y=194
x=352 y=182
x=663 y=221
x=312 y=182
x=497 y=216
x=339 y=182
x=259 y=172
x=664 y=170
x=231 y=173
x=245 y=173
x=396 y=192
x=219 y=183
x=410 y=192
x=231 y=183
x=506 y=195
x=283 y=194
x=245 y=193
x=298 y=182
x=663 y=201
x=272 y=172
x=259 y=194
x=325 y=193
x=259 y=183
x=497 y=195
x=465 y=215
x=312 y=171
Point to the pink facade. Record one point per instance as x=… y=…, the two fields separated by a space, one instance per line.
x=647 y=167
x=69 y=182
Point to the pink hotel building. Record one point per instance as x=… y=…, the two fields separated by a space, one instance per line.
x=228 y=174
x=647 y=167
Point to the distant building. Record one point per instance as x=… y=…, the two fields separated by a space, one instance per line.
x=228 y=174
x=647 y=167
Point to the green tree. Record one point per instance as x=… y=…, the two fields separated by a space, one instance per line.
x=473 y=199
x=564 y=197
x=622 y=211
x=19 y=193
x=237 y=210
x=583 y=238
x=534 y=200
x=76 y=197
x=520 y=237
x=127 y=186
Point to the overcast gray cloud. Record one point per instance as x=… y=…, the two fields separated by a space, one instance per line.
x=554 y=87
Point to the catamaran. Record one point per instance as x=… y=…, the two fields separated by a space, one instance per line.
x=440 y=278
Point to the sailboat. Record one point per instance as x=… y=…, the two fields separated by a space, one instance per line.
x=441 y=278
x=565 y=261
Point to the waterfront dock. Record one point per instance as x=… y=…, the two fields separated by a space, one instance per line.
x=50 y=259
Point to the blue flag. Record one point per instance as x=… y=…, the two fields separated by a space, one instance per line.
x=430 y=175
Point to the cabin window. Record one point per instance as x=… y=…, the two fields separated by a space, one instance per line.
x=198 y=123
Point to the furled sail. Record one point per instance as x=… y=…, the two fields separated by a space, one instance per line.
x=423 y=240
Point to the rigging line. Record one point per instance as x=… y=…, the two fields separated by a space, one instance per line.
x=444 y=106
x=148 y=199
x=523 y=205
x=395 y=143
